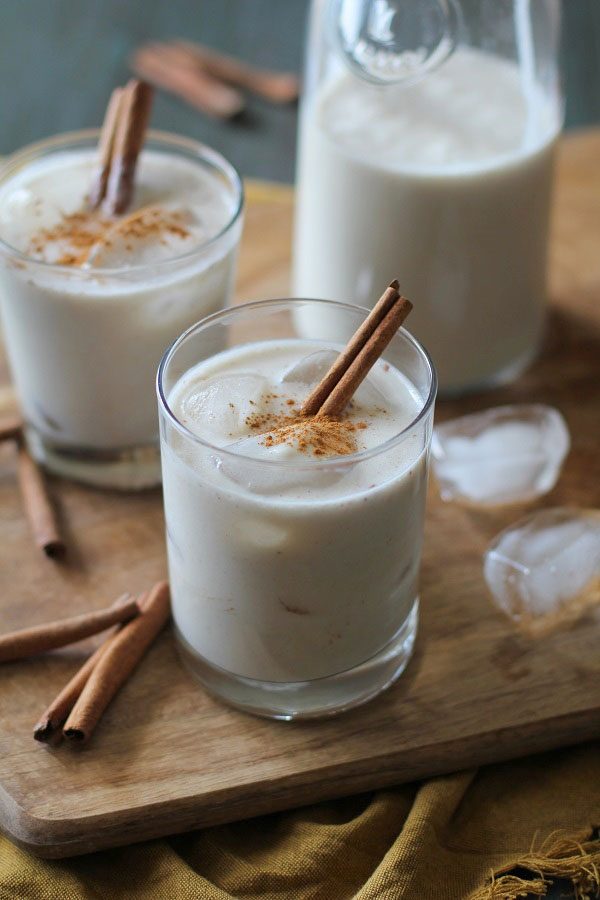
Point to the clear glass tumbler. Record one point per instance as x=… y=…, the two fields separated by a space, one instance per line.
x=84 y=340
x=301 y=605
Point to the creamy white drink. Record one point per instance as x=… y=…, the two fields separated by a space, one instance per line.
x=294 y=547
x=90 y=302
x=445 y=182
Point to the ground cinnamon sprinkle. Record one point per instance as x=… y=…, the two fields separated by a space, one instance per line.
x=321 y=437
x=82 y=232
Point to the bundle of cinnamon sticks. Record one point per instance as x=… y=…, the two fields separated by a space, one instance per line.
x=364 y=348
x=77 y=709
x=209 y=81
x=37 y=504
x=121 y=140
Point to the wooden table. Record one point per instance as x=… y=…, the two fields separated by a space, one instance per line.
x=167 y=758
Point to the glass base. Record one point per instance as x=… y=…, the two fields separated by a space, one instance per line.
x=308 y=699
x=129 y=469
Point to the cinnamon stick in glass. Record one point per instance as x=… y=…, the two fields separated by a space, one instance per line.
x=319 y=394
x=114 y=667
x=106 y=146
x=51 y=635
x=360 y=367
x=133 y=114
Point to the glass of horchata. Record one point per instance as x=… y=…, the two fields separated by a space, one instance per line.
x=90 y=301
x=294 y=543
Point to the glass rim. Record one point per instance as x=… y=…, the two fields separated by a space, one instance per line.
x=311 y=464
x=203 y=153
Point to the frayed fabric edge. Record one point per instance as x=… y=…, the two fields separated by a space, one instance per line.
x=574 y=858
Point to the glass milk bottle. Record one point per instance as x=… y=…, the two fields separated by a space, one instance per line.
x=426 y=151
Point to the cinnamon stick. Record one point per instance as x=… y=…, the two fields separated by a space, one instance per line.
x=365 y=359
x=31 y=641
x=168 y=69
x=55 y=716
x=106 y=148
x=114 y=667
x=38 y=506
x=57 y=713
x=319 y=394
x=10 y=427
x=278 y=87
x=132 y=121
x=364 y=348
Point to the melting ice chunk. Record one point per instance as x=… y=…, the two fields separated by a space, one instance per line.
x=286 y=478
x=218 y=408
x=148 y=235
x=309 y=370
x=508 y=454
x=545 y=569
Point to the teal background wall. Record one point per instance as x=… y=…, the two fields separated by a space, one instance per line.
x=59 y=60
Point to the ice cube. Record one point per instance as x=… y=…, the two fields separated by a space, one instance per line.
x=148 y=235
x=368 y=398
x=507 y=454
x=310 y=369
x=28 y=216
x=545 y=569
x=217 y=409
x=303 y=479
x=260 y=534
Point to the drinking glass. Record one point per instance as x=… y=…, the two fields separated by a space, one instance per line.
x=303 y=604
x=84 y=342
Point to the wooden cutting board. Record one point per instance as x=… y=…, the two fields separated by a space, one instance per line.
x=167 y=758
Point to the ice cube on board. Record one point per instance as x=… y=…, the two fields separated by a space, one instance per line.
x=545 y=569
x=507 y=454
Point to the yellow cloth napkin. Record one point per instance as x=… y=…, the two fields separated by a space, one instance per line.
x=436 y=840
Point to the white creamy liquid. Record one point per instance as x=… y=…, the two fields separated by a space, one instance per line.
x=445 y=185
x=285 y=566
x=84 y=339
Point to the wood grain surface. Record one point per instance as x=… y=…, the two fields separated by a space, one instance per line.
x=168 y=758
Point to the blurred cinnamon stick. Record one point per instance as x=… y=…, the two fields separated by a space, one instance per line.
x=166 y=68
x=38 y=505
x=277 y=87
x=10 y=427
x=133 y=114
x=208 y=80
x=106 y=146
